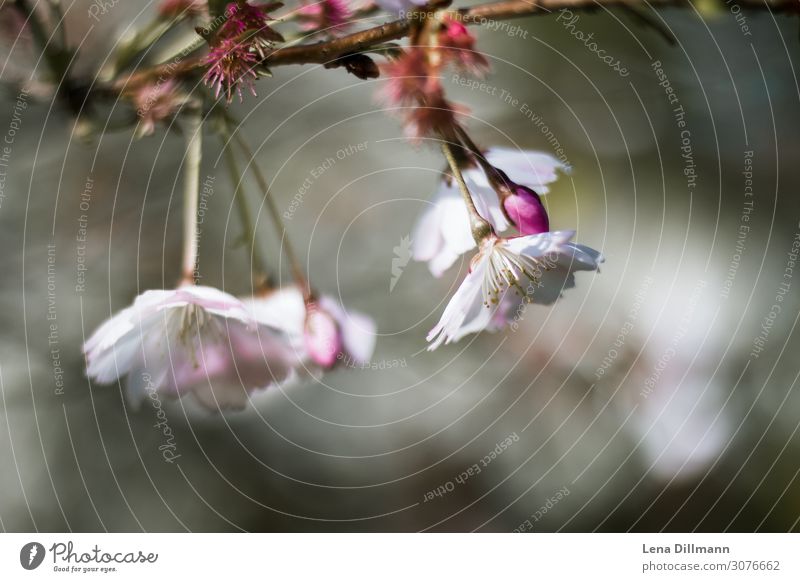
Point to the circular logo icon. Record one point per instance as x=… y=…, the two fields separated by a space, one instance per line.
x=31 y=555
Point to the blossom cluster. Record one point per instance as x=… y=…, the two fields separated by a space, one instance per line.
x=534 y=262
x=237 y=48
x=221 y=349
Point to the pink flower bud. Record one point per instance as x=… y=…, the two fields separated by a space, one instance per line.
x=321 y=336
x=525 y=209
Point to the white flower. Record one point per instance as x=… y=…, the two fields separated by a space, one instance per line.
x=192 y=339
x=320 y=332
x=442 y=234
x=538 y=266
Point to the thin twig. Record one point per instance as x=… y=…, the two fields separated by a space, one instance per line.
x=479 y=225
x=258 y=265
x=294 y=263
x=191 y=193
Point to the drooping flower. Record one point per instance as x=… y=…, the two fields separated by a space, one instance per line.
x=331 y=16
x=442 y=234
x=191 y=340
x=320 y=331
x=182 y=8
x=539 y=267
x=458 y=47
x=156 y=102
x=231 y=64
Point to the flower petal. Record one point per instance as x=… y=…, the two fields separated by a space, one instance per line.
x=466 y=309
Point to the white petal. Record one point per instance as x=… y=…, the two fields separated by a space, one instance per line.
x=427 y=236
x=212 y=300
x=488 y=205
x=538 y=245
x=283 y=310
x=443 y=261
x=358 y=330
x=530 y=168
x=455 y=226
x=585 y=258
x=466 y=308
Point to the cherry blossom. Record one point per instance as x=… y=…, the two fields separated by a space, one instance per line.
x=442 y=234
x=231 y=65
x=537 y=266
x=191 y=340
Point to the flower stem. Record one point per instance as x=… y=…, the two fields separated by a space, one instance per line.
x=258 y=266
x=191 y=194
x=272 y=209
x=496 y=178
x=480 y=226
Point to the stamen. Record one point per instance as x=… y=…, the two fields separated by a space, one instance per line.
x=506 y=270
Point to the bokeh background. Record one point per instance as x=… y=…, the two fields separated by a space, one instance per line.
x=634 y=403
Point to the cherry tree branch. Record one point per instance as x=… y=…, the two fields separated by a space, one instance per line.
x=324 y=52
x=327 y=51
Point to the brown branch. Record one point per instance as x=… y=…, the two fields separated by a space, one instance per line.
x=325 y=52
